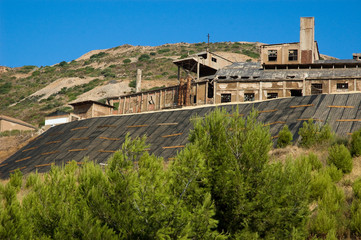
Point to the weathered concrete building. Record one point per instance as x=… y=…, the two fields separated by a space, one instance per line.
x=59 y=117
x=9 y=124
x=285 y=70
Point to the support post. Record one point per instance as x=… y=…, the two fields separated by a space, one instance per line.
x=138 y=87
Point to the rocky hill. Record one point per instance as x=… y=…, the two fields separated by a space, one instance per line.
x=31 y=92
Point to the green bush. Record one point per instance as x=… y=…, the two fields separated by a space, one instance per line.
x=144 y=57
x=356 y=188
x=5 y=88
x=340 y=156
x=335 y=173
x=164 y=50
x=314 y=161
x=127 y=60
x=313 y=133
x=152 y=54
x=284 y=137
x=355 y=145
x=132 y=84
x=98 y=55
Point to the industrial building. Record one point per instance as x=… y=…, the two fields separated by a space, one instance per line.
x=285 y=70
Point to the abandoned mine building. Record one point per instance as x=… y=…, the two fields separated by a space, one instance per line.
x=285 y=70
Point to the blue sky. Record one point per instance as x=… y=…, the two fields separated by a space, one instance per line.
x=46 y=32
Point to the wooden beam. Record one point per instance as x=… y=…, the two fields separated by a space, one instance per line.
x=180 y=146
x=348 y=120
x=172 y=135
x=17 y=169
x=78 y=128
x=107 y=151
x=135 y=126
x=77 y=150
x=48 y=153
x=307 y=105
x=112 y=139
x=306 y=119
x=332 y=106
x=2 y=165
x=44 y=165
x=278 y=122
x=32 y=148
x=22 y=159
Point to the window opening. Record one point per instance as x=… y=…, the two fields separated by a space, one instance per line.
x=272 y=95
x=342 y=86
x=316 y=88
x=293 y=55
x=248 y=97
x=214 y=59
x=244 y=77
x=225 y=97
x=296 y=93
x=272 y=55
x=210 y=90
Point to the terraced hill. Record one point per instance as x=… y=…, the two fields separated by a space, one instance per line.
x=31 y=92
x=167 y=131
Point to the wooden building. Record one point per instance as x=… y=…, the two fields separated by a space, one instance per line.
x=89 y=109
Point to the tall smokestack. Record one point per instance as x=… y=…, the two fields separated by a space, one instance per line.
x=307 y=39
x=138 y=81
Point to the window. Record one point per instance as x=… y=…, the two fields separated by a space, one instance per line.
x=210 y=90
x=214 y=59
x=248 y=97
x=296 y=93
x=293 y=55
x=342 y=86
x=272 y=55
x=316 y=88
x=225 y=97
x=272 y=95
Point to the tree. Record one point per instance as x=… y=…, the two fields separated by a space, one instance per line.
x=284 y=137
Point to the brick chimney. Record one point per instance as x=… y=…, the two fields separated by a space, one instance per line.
x=307 y=39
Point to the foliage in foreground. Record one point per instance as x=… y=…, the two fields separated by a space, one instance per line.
x=221 y=186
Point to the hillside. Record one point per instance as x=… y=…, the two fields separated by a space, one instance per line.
x=31 y=92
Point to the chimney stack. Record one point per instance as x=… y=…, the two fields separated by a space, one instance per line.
x=138 y=81
x=307 y=39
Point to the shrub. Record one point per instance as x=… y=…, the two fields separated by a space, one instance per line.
x=314 y=161
x=284 y=137
x=356 y=187
x=144 y=57
x=5 y=88
x=340 y=156
x=312 y=133
x=126 y=61
x=164 y=50
x=355 y=147
x=62 y=64
x=132 y=84
x=152 y=54
x=335 y=174
x=98 y=55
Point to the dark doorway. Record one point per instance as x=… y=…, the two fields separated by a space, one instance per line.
x=296 y=93
x=210 y=90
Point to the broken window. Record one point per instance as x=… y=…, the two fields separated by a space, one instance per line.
x=248 y=97
x=225 y=97
x=293 y=55
x=214 y=59
x=316 y=88
x=222 y=77
x=296 y=93
x=342 y=86
x=272 y=95
x=272 y=55
x=244 y=77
